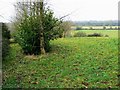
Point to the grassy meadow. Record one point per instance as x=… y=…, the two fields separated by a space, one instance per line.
x=81 y=62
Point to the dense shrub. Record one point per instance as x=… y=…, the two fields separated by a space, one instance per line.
x=13 y=37
x=104 y=28
x=106 y=35
x=29 y=28
x=80 y=34
x=5 y=40
x=91 y=28
x=28 y=37
x=78 y=28
x=95 y=35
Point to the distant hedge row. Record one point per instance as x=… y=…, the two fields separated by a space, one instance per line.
x=82 y=34
x=91 y=28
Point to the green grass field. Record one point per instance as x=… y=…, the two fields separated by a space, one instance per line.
x=82 y=62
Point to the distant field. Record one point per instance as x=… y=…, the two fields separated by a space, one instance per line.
x=110 y=33
x=87 y=62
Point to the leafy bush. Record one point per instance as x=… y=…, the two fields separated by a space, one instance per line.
x=91 y=28
x=13 y=37
x=80 y=34
x=95 y=35
x=28 y=38
x=104 y=28
x=106 y=35
x=30 y=26
x=5 y=40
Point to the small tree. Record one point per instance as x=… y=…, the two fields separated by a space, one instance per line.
x=66 y=26
x=36 y=26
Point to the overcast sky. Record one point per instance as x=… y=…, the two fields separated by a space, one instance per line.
x=79 y=10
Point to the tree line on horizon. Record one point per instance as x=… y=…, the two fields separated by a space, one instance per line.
x=96 y=23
